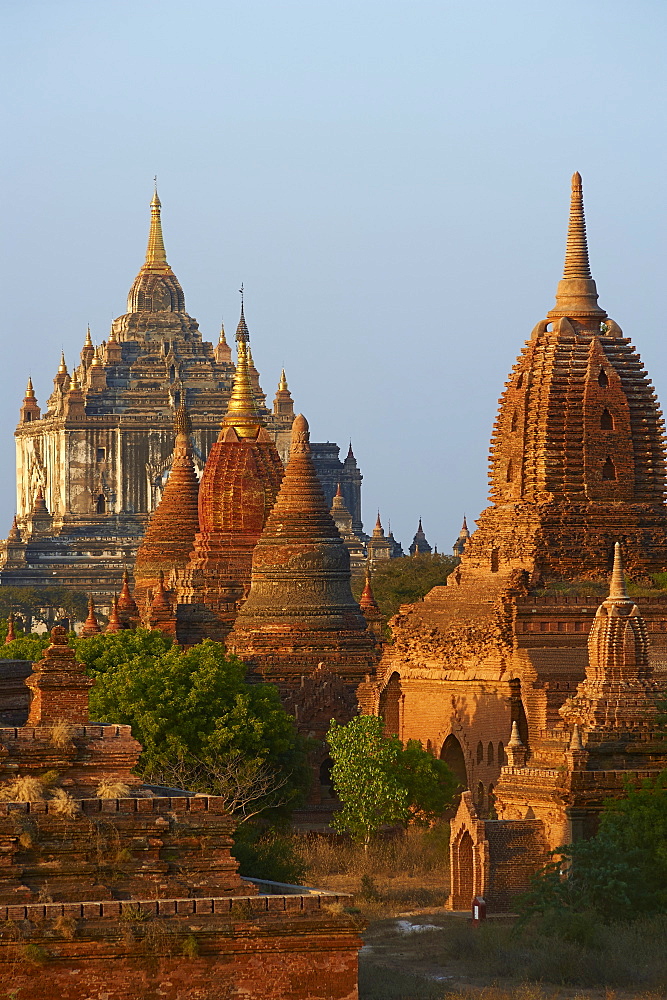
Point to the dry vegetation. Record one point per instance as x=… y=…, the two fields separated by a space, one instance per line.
x=402 y=884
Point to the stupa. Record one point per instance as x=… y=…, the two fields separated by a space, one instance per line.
x=237 y=490
x=300 y=612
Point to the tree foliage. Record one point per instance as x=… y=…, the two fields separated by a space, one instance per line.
x=193 y=711
x=45 y=605
x=381 y=782
x=406 y=580
x=621 y=873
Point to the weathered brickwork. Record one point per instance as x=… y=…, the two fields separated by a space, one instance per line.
x=481 y=669
x=250 y=948
x=109 y=891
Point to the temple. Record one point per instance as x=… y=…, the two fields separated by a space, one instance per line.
x=481 y=669
x=606 y=738
x=92 y=465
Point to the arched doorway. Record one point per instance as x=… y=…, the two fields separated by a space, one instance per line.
x=452 y=754
x=101 y=505
x=390 y=706
x=466 y=881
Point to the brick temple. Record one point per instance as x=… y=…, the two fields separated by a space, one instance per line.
x=482 y=668
x=110 y=887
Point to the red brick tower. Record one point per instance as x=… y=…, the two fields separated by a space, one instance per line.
x=238 y=489
x=577 y=454
x=300 y=612
x=171 y=531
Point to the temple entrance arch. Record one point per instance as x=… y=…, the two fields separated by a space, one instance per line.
x=390 y=706
x=464 y=874
x=452 y=754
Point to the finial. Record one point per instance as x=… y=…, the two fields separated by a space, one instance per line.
x=88 y=341
x=300 y=436
x=183 y=424
x=420 y=525
x=617 y=589
x=576 y=253
x=29 y=392
x=113 y=339
x=74 y=380
x=339 y=495
x=464 y=526
x=242 y=333
x=62 y=367
x=242 y=413
x=282 y=385
x=156 y=256
x=515 y=739
x=577 y=296
x=222 y=339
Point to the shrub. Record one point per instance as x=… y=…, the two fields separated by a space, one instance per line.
x=268 y=854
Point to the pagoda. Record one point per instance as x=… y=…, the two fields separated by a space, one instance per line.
x=300 y=612
x=171 y=531
x=577 y=453
x=237 y=491
x=577 y=464
x=420 y=546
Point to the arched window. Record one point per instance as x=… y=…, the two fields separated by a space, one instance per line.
x=608 y=469
x=101 y=505
x=172 y=372
x=480 y=795
x=390 y=706
x=602 y=378
x=452 y=754
x=489 y=754
x=606 y=421
x=492 y=802
x=510 y=471
x=519 y=381
x=501 y=755
x=480 y=752
x=515 y=421
x=494 y=560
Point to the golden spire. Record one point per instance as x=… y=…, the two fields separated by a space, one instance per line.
x=29 y=392
x=62 y=367
x=242 y=413
x=74 y=380
x=222 y=339
x=88 y=341
x=282 y=385
x=577 y=295
x=156 y=257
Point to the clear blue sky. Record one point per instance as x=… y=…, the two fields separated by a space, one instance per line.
x=390 y=180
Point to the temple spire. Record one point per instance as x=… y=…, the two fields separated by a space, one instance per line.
x=617 y=589
x=576 y=253
x=576 y=296
x=282 y=385
x=156 y=256
x=242 y=413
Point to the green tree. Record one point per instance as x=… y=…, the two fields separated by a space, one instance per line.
x=45 y=605
x=380 y=782
x=406 y=580
x=193 y=712
x=621 y=873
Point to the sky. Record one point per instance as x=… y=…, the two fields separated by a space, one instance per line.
x=389 y=180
